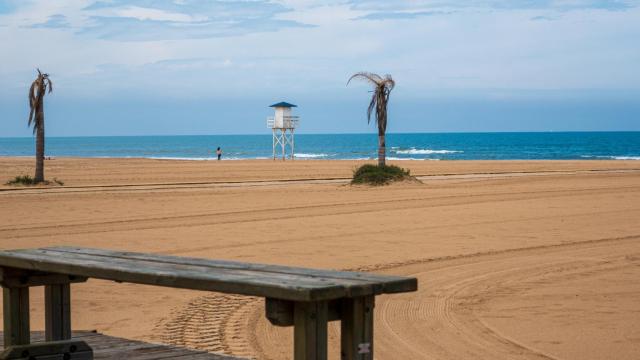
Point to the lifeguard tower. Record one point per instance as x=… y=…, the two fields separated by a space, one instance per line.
x=283 y=125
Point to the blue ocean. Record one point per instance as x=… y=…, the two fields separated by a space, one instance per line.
x=428 y=146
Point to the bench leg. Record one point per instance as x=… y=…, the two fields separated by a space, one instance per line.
x=310 y=330
x=16 y=316
x=357 y=328
x=57 y=310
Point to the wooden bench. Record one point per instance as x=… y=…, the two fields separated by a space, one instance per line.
x=304 y=298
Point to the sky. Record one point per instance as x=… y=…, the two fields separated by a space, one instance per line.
x=165 y=67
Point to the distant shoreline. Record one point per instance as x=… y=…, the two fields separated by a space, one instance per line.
x=180 y=159
x=361 y=147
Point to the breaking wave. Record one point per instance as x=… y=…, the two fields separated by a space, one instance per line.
x=414 y=151
x=310 y=156
x=611 y=157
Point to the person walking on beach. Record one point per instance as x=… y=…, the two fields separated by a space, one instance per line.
x=219 y=153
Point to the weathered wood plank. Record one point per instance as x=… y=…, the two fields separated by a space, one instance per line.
x=300 y=277
x=310 y=331
x=68 y=349
x=16 y=315
x=356 y=331
x=255 y=284
x=388 y=280
x=200 y=274
x=113 y=348
x=57 y=312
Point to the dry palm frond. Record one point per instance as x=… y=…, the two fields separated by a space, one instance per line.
x=32 y=101
x=380 y=97
x=375 y=79
x=38 y=88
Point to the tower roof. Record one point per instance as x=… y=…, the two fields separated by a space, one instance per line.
x=283 y=104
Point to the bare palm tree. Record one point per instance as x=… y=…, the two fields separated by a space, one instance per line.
x=382 y=87
x=38 y=89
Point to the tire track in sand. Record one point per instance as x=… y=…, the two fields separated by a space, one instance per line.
x=291 y=212
x=210 y=322
x=440 y=321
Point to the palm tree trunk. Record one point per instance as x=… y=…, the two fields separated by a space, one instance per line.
x=40 y=144
x=382 y=150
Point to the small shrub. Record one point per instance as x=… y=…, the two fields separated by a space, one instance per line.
x=379 y=175
x=28 y=180
x=22 y=180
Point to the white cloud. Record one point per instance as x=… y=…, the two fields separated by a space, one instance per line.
x=142 y=13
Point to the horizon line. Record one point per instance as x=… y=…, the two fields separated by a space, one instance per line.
x=346 y=133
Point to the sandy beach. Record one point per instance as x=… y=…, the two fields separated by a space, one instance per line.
x=515 y=259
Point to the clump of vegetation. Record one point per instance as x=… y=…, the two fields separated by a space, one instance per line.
x=380 y=175
x=22 y=180
x=28 y=180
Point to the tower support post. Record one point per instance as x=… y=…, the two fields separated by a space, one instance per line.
x=292 y=145
x=274 y=143
x=283 y=134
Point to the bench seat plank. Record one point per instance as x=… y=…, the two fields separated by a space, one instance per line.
x=279 y=282
x=391 y=284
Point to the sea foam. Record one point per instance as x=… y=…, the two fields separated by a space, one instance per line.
x=409 y=158
x=310 y=156
x=611 y=157
x=625 y=157
x=182 y=158
x=414 y=151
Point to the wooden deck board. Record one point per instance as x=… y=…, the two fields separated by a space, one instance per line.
x=113 y=348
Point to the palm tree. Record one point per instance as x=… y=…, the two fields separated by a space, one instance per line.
x=37 y=91
x=382 y=87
